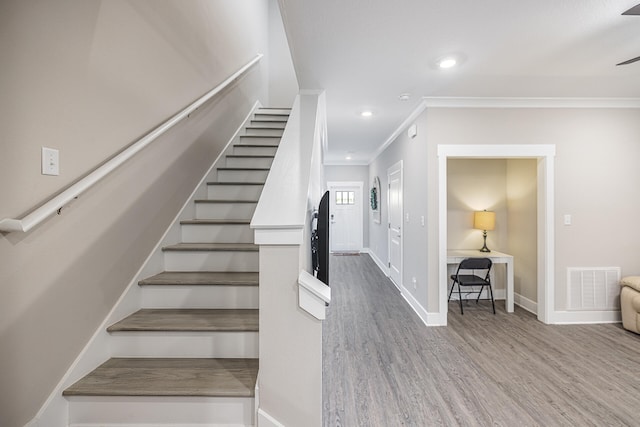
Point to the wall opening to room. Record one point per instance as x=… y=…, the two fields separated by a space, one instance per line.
x=507 y=187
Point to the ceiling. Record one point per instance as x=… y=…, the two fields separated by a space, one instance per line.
x=365 y=53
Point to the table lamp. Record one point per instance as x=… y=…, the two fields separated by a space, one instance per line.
x=483 y=220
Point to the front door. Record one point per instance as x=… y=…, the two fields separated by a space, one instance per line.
x=346 y=216
x=394 y=175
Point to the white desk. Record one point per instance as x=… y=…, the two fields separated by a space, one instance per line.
x=457 y=255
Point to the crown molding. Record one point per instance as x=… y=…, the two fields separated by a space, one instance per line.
x=403 y=126
x=515 y=102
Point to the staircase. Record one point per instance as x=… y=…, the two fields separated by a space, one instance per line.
x=189 y=356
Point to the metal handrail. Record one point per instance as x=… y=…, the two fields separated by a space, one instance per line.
x=53 y=205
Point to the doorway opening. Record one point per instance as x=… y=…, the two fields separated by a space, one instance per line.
x=544 y=155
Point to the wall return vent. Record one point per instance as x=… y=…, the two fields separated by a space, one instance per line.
x=593 y=288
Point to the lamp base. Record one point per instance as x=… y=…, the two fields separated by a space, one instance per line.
x=484 y=246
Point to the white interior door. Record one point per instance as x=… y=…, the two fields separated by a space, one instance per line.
x=345 y=216
x=394 y=175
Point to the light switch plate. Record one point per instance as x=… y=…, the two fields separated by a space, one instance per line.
x=50 y=161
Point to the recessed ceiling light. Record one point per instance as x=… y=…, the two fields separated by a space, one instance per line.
x=447 y=62
x=366 y=114
x=404 y=97
x=348 y=157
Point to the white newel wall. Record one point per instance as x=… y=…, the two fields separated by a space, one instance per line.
x=290 y=379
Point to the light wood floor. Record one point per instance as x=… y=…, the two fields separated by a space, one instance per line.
x=384 y=367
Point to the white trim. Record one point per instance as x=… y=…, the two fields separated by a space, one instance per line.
x=279 y=236
x=396 y=167
x=404 y=125
x=93 y=352
x=526 y=303
x=515 y=102
x=497 y=151
x=546 y=236
x=53 y=205
x=586 y=317
x=429 y=319
x=313 y=295
x=377 y=260
x=338 y=184
x=266 y=420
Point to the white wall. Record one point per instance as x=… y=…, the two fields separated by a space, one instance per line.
x=88 y=78
x=354 y=174
x=413 y=153
x=283 y=84
x=290 y=379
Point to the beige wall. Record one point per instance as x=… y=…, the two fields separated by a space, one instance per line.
x=88 y=78
x=522 y=224
x=475 y=185
x=596 y=178
x=507 y=187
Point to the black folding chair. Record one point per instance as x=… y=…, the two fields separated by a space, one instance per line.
x=472 y=280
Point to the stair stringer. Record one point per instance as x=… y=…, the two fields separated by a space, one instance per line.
x=55 y=410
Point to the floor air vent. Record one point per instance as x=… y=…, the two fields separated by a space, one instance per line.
x=595 y=288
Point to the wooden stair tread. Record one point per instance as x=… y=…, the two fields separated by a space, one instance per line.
x=216 y=222
x=169 y=377
x=188 y=320
x=215 y=278
x=261 y=136
x=258 y=127
x=204 y=247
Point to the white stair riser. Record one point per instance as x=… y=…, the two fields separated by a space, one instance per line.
x=254 y=151
x=263 y=132
x=234 y=192
x=164 y=411
x=258 y=140
x=211 y=261
x=185 y=344
x=274 y=124
x=216 y=233
x=200 y=296
x=241 y=175
x=225 y=210
x=249 y=162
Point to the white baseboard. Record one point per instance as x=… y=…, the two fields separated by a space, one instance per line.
x=585 y=317
x=526 y=303
x=381 y=265
x=429 y=319
x=55 y=411
x=266 y=420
